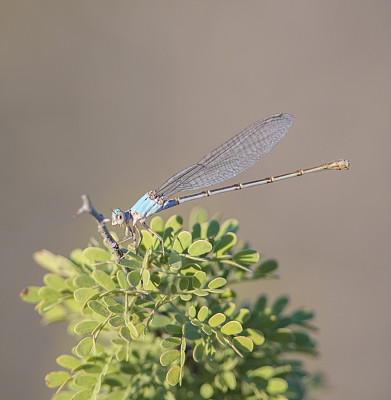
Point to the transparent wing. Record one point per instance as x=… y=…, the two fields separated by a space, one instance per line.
x=231 y=158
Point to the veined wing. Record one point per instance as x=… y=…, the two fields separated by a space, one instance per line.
x=231 y=158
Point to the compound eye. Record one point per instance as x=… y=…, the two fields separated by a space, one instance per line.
x=118 y=217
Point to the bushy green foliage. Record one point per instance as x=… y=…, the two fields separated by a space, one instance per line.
x=155 y=326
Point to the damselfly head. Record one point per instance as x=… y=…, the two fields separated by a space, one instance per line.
x=117 y=217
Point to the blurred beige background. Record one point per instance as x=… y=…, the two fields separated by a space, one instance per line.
x=111 y=98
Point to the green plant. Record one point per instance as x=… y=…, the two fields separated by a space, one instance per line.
x=154 y=326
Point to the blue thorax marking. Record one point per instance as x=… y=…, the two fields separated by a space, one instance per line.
x=146 y=206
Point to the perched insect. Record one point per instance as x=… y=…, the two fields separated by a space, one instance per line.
x=228 y=160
